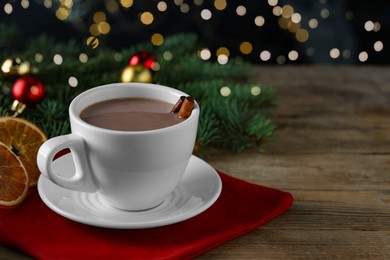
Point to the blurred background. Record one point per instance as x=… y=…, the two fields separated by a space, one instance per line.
x=260 y=31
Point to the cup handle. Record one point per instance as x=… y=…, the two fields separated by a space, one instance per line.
x=83 y=179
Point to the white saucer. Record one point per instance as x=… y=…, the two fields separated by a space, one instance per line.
x=198 y=189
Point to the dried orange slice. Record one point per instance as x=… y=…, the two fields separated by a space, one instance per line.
x=23 y=138
x=13 y=178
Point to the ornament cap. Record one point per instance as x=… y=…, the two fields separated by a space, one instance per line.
x=18 y=108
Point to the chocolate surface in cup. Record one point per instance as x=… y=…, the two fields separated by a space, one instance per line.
x=130 y=114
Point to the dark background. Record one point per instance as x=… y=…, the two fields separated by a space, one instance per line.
x=342 y=29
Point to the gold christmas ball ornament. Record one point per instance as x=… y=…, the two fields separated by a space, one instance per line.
x=15 y=66
x=136 y=73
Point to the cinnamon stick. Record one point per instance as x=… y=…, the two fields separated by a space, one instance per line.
x=184 y=107
x=178 y=105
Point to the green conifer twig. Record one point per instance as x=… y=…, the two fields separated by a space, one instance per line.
x=237 y=120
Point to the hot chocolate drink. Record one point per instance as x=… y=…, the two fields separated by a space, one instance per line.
x=130 y=114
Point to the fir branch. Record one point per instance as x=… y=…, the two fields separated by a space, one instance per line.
x=261 y=129
x=51 y=109
x=5 y=104
x=236 y=121
x=209 y=132
x=54 y=128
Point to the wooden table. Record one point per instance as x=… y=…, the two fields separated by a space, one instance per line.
x=332 y=152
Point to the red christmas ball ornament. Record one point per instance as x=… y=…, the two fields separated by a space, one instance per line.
x=143 y=58
x=27 y=91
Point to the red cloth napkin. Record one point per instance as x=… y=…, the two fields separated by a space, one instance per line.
x=41 y=233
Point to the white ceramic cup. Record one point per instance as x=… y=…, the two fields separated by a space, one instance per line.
x=131 y=170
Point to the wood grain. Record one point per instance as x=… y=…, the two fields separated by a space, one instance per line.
x=332 y=152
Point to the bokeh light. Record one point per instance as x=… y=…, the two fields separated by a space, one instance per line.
x=220 y=4
x=206 y=14
x=293 y=55
x=162 y=6
x=112 y=6
x=265 y=55
x=157 y=39
x=241 y=10
x=246 y=47
x=287 y=11
x=198 y=2
x=99 y=17
x=302 y=35
x=272 y=2
x=369 y=26
x=83 y=58
x=222 y=59
x=118 y=57
x=334 y=53
x=363 y=56
x=225 y=91
x=296 y=18
x=48 y=3
x=38 y=57
x=259 y=21
x=324 y=13
x=205 y=54
x=103 y=27
x=146 y=18
x=167 y=55
x=378 y=46
x=126 y=3
x=73 y=82
x=313 y=23
x=277 y=11
x=377 y=27
x=25 y=4
x=62 y=13
x=255 y=90
x=185 y=8
x=57 y=59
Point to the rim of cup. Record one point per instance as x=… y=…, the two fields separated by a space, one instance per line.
x=74 y=111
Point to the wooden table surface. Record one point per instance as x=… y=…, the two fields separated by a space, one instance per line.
x=332 y=152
